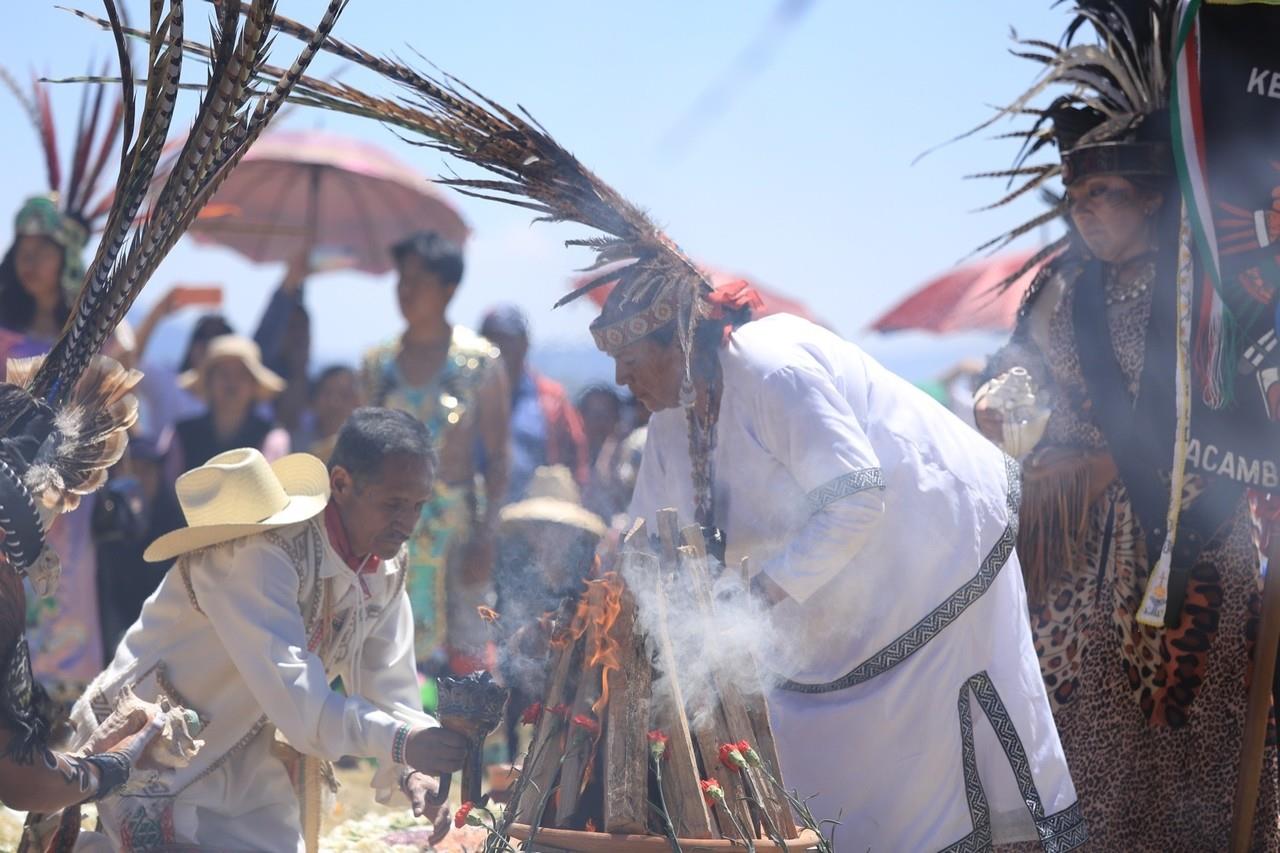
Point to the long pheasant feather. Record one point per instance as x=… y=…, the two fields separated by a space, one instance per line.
x=224 y=127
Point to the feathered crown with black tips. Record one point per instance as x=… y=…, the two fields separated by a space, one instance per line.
x=1111 y=119
x=78 y=189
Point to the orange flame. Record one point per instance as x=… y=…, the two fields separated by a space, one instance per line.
x=599 y=609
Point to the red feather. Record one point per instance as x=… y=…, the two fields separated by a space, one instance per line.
x=99 y=163
x=48 y=137
x=85 y=132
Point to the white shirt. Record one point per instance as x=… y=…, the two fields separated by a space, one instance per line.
x=887 y=522
x=232 y=644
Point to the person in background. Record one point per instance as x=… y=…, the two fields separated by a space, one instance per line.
x=162 y=401
x=231 y=379
x=631 y=451
x=134 y=508
x=545 y=427
x=546 y=549
x=335 y=394
x=451 y=379
x=284 y=336
x=40 y=276
x=601 y=409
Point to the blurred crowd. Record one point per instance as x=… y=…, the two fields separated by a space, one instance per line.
x=515 y=447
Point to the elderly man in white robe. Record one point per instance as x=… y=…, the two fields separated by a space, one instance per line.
x=288 y=577
x=881 y=529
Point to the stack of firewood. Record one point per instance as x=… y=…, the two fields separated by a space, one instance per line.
x=613 y=692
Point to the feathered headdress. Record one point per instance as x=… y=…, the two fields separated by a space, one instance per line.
x=63 y=425
x=655 y=283
x=534 y=172
x=1112 y=118
x=77 y=190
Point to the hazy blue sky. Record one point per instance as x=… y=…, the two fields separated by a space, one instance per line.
x=803 y=180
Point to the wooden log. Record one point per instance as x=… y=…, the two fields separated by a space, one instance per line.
x=680 y=776
x=669 y=536
x=580 y=746
x=735 y=705
x=711 y=728
x=762 y=730
x=626 y=746
x=547 y=748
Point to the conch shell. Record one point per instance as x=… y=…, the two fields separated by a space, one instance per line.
x=1025 y=415
x=176 y=744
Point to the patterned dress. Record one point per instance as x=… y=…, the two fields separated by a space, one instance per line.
x=1151 y=719
x=442 y=612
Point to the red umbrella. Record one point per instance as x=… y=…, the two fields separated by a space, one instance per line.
x=963 y=300
x=344 y=200
x=774 y=302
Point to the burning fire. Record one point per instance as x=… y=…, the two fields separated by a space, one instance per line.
x=597 y=610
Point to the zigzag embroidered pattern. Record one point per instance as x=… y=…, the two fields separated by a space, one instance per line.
x=1059 y=832
x=843 y=487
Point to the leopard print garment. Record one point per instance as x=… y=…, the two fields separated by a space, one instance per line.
x=1150 y=719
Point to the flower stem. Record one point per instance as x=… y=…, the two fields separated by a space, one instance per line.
x=737 y=825
x=494 y=836
x=770 y=827
x=802 y=810
x=666 y=815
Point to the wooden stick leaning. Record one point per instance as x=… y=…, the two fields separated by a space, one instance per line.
x=710 y=730
x=734 y=705
x=626 y=726
x=547 y=750
x=762 y=729
x=1253 y=744
x=685 y=803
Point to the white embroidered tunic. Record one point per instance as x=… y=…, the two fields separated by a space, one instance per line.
x=250 y=635
x=910 y=698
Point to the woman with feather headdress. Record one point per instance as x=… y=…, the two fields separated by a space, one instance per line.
x=1144 y=638
x=40 y=277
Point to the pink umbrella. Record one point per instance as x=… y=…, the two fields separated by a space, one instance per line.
x=962 y=300
x=341 y=200
x=774 y=302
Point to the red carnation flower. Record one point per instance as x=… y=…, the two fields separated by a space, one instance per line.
x=584 y=722
x=753 y=757
x=730 y=757
x=531 y=714
x=712 y=791
x=460 y=819
x=658 y=744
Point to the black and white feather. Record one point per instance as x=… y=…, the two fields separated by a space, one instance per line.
x=64 y=417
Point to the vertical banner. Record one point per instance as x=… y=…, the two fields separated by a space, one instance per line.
x=1239 y=147
x=1225 y=109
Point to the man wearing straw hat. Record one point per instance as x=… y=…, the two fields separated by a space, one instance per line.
x=287 y=577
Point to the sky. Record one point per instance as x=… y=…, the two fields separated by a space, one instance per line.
x=801 y=178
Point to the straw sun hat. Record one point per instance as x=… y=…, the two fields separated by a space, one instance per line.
x=552 y=498
x=237 y=494
x=237 y=348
